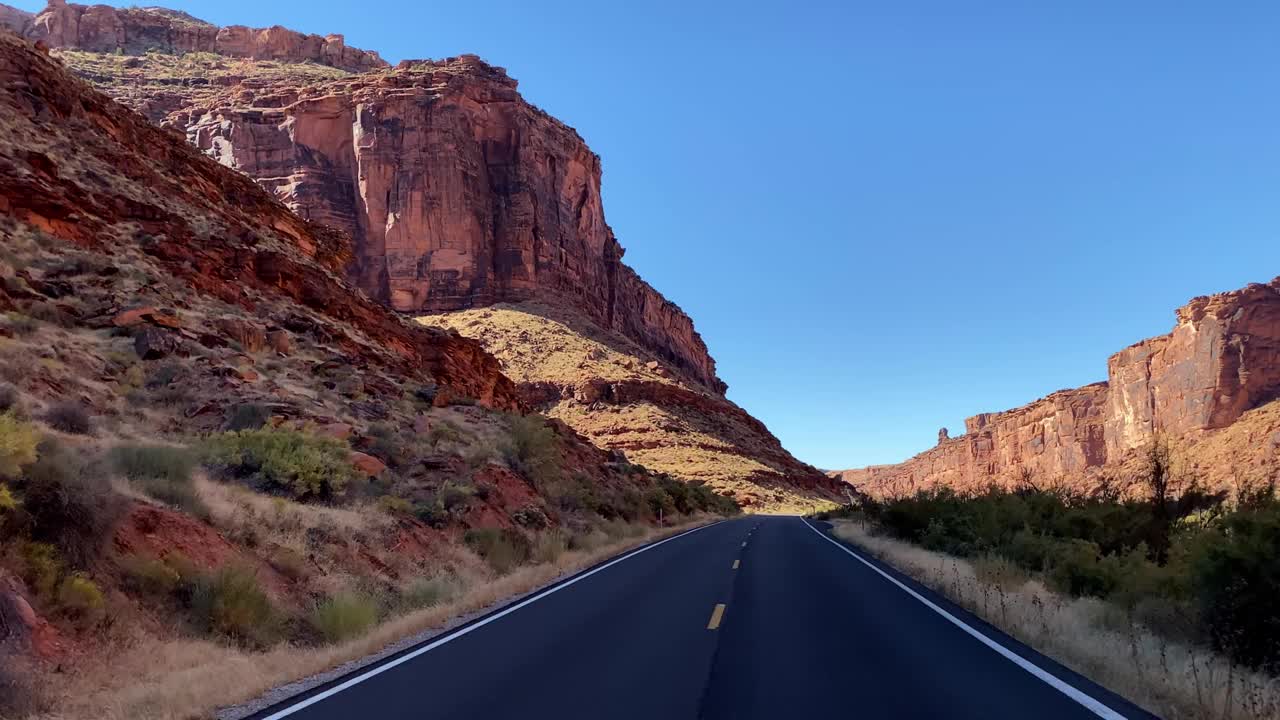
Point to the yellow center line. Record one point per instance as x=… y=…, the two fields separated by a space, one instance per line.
x=735 y=564
x=715 y=617
x=744 y=543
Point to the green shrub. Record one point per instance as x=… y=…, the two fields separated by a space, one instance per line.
x=79 y=596
x=69 y=503
x=395 y=505
x=428 y=592
x=247 y=416
x=454 y=496
x=304 y=464
x=8 y=503
x=659 y=501
x=18 y=443
x=70 y=417
x=161 y=462
x=1236 y=579
x=426 y=393
x=387 y=444
x=9 y=397
x=150 y=576
x=502 y=548
x=162 y=473
x=444 y=431
x=534 y=448
x=344 y=616
x=22 y=324
x=432 y=513
x=231 y=603
x=42 y=567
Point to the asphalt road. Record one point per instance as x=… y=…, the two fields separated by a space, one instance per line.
x=803 y=629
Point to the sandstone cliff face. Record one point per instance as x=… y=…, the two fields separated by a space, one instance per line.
x=102 y=28
x=458 y=192
x=1221 y=361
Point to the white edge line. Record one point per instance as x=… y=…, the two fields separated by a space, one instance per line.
x=474 y=626
x=1088 y=701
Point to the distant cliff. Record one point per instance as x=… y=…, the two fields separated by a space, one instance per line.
x=1221 y=361
x=134 y=30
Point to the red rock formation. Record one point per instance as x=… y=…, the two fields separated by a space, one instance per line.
x=212 y=227
x=1220 y=361
x=458 y=192
x=102 y=28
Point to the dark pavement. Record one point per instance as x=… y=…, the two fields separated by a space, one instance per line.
x=806 y=630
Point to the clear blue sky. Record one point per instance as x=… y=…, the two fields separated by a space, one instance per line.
x=886 y=216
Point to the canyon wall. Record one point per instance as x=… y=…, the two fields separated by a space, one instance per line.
x=105 y=29
x=1220 y=361
x=457 y=192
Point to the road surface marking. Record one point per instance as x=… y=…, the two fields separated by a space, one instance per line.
x=1095 y=706
x=735 y=564
x=302 y=704
x=744 y=543
x=715 y=617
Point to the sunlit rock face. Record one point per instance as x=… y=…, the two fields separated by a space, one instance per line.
x=1220 y=361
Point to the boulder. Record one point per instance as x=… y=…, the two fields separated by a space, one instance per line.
x=368 y=465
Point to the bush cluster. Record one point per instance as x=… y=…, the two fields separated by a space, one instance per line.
x=162 y=472
x=1194 y=567
x=344 y=616
x=503 y=549
x=308 y=466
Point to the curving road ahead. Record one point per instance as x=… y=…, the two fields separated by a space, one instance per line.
x=757 y=617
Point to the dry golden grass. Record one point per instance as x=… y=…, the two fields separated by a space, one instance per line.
x=1089 y=636
x=237 y=508
x=137 y=79
x=538 y=342
x=154 y=679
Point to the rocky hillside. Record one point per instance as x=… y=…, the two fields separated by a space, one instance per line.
x=625 y=398
x=457 y=192
x=196 y=409
x=1209 y=387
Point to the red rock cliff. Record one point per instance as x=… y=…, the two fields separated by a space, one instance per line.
x=458 y=192
x=102 y=28
x=1221 y=360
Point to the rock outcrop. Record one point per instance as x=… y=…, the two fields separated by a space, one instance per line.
x=458 y=193
x=106 y=29
x=1221 y=361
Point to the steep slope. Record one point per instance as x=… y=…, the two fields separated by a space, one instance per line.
x=192 y=397
x=1209 y=387
x=624 y=398
x=458 y=194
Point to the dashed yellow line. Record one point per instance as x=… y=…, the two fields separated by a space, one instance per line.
x=735 y=564
x=744 y=543
x=715 y=617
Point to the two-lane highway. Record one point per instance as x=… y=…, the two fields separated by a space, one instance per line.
x=757 y=617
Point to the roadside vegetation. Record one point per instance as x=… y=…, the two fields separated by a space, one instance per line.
x=1167 y=598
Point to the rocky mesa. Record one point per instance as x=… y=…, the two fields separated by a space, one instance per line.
x=1210 y=387
x=458 y=195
